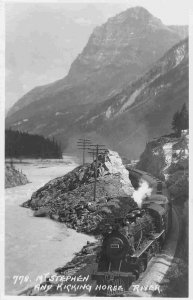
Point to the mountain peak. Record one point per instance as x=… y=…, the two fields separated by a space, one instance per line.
x=137 y=11
x=135 y=14
x=117 y=52
x=118 y=43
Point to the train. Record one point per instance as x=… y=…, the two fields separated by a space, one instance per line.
x=130 y=242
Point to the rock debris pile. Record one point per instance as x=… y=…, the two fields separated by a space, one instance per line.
x=69 y=198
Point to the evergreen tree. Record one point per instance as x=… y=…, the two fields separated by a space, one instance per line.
x=176 y=123
x=184 y=118
x=21 y=144
x=180 y=120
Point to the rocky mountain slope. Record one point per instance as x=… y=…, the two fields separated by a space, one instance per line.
x=142 y=110
x=14 y=177
x=116 y=53
x=69 y=198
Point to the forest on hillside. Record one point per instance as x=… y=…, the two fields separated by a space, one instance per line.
x=24 y=145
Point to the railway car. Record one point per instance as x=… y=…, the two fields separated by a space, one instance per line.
x=130 y=243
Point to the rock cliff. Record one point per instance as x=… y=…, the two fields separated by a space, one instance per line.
x=168 y=158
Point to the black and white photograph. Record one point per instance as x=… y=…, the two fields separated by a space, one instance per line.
x=95 y=201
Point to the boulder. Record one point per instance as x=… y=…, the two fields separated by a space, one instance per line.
x=42 y=212
x=55 y=217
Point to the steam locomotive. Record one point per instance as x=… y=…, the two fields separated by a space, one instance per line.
x=130 y=242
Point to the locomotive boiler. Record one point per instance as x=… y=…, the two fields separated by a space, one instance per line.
x=130 y=242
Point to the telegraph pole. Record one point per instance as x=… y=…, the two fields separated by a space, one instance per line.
x=93 y=154
x=96 y=151
x=83 y=144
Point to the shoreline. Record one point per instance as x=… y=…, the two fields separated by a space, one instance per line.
x=79 y=241
x=72 y=279
x=51 y=235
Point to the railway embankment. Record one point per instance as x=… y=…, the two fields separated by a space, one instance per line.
x=175 y=282
x=14 y=177
x=72 y=279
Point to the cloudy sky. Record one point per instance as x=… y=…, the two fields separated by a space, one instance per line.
x=42 y=39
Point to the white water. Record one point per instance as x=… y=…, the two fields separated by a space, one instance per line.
x=34 y=246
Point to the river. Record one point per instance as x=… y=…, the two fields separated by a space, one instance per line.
x=35 y=246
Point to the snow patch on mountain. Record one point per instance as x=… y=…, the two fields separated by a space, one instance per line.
x=58 y=113
x=165 y=154
x=180 y=54
x=91 y=120
x=108 y=112
x=130 y=100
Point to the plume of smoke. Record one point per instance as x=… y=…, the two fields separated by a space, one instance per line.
x=143 y=191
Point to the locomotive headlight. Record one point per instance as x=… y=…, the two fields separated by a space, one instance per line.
x=125 y=222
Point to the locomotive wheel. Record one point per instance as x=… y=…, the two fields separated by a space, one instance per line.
x=142 y=264
x=140 y=268
x=158 y=247
x=117 y=282
x=161 y=243
x=101 y=293
x=108 y=292
x=136 y=273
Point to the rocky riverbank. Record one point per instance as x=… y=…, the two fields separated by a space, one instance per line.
x=69 y=198
x=73 y=279
x=14 y=177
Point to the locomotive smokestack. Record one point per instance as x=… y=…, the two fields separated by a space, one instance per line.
x=143 y=191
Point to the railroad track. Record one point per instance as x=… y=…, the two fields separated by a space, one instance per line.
x=150 y=281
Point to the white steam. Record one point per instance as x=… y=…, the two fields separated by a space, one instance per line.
x=143 y=191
